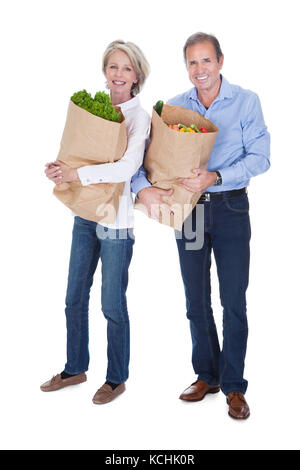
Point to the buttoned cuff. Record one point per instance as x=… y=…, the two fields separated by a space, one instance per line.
x=228 y=176
x=85 y=177
x=137 y=186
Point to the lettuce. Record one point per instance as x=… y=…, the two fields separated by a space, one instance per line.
x=100 y=105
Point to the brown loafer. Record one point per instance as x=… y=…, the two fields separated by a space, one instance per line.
x=238 y=407
x=57 y=382
x=198 y=390
x=105 y=394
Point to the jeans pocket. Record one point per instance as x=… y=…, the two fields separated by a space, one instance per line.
x=238 y=203
x=80 y=221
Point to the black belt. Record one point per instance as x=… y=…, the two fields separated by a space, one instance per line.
x=206 y=197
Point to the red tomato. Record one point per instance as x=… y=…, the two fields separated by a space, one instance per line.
x=203 y=129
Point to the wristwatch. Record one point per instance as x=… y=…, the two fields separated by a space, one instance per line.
x=218 y=179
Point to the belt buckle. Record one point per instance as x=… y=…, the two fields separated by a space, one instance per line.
x=205 y=197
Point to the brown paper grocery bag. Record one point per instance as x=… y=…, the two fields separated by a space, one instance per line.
x=88 y=140
x=172 y=154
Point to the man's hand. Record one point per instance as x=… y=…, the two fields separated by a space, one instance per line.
x=59 y=172
x=151 y=198
x=201 y=182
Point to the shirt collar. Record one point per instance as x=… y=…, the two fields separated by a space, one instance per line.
x=225 y=91
x=129 y=104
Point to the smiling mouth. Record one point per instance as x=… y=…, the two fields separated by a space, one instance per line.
x=117 y=82
x=201 y=78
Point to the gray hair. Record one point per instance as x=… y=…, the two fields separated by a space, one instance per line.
x=202 y=37
x=137 y=58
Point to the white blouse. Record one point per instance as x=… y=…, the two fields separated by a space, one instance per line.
x=137 y=127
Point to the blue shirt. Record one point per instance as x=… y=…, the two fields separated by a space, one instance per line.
x=242 y=146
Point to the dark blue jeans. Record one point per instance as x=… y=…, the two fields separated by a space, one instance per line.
x=227 y=233
x=90 y=242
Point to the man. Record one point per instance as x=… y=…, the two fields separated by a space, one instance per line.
x=241 y=151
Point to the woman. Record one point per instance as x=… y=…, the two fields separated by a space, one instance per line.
x=126 y=70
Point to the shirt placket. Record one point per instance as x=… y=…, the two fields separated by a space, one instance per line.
x=199 y=108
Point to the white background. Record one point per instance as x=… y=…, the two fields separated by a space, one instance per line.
x=50 y=49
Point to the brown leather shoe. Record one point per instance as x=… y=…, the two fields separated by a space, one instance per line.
x=238 y=407
x=198 y=390
x=105 y=394
x=57 y=382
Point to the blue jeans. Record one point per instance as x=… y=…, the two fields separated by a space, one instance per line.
x=227 y=233
x=90 y=242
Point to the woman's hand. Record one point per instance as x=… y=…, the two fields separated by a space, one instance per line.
x=53 y=172
x=59 y=172
x=203 y=180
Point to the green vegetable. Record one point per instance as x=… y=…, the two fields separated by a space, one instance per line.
x=100 y=105
x=193 y=126
x=182 y=126
x=158 y=107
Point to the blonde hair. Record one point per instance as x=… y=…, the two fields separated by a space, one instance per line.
x=137 y=58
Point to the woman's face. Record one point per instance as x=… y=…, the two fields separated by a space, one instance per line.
x=119 y=73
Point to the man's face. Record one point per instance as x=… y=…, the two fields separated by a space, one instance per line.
x=202 y=65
